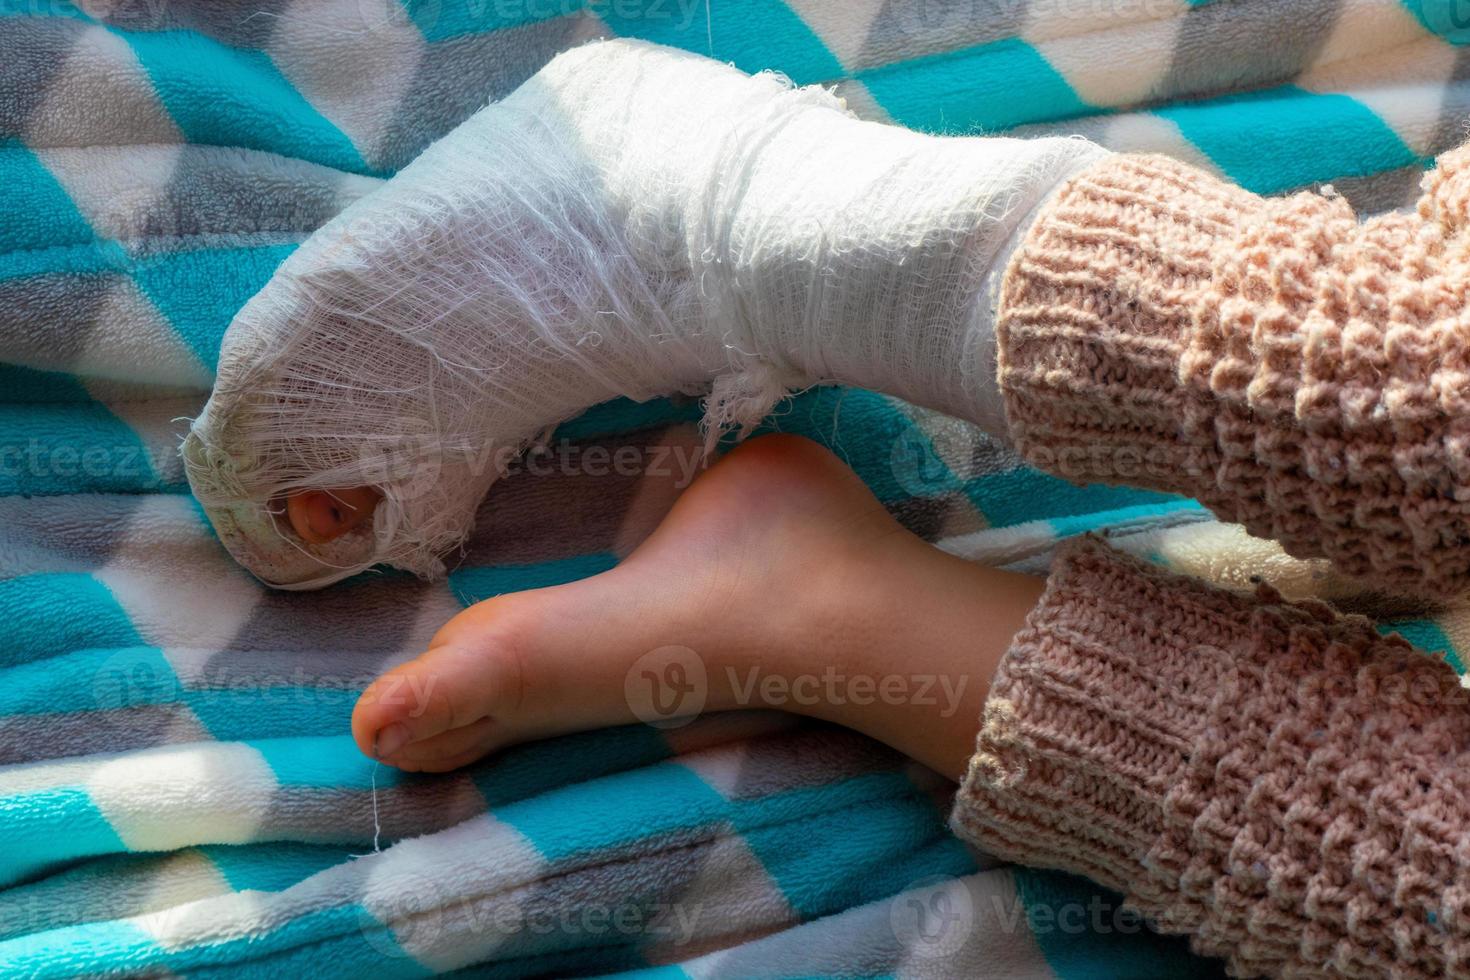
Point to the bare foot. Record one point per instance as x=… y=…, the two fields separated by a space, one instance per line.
x=777 y=576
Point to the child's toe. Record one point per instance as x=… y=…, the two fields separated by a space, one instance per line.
x=439 y=703
x=452 y=749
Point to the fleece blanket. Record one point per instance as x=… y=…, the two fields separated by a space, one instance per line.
x=178 y=792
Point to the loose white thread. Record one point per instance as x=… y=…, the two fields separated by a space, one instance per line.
x=377 y=825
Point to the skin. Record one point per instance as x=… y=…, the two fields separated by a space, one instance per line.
x=777 y=563
x=320 y=516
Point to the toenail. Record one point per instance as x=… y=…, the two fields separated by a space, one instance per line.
x=390 y=739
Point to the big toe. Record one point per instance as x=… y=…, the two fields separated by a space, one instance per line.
x=512 y=669
x=464 y=692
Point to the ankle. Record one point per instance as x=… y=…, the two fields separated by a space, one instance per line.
x=918 y=643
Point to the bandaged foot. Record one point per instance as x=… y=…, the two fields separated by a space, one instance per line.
x=700 y=619
x=633 y=221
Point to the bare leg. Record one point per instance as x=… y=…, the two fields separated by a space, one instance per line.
x=785 y=577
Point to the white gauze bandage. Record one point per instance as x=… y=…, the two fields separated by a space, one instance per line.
x=632 y=221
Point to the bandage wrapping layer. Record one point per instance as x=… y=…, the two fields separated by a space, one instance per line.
x=633 y=221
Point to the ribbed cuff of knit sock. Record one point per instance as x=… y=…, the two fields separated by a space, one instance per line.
x=1097 y=312
x=1295 y=370
x=1280 y=782
x=1095 y=712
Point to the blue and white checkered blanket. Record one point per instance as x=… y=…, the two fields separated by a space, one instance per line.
x=178 y=792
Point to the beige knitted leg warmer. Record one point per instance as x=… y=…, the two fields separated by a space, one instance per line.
x=1298 y=372
x=1279 y=782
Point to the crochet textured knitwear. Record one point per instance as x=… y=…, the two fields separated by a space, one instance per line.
x=1281 y=783
x=1297 y=371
